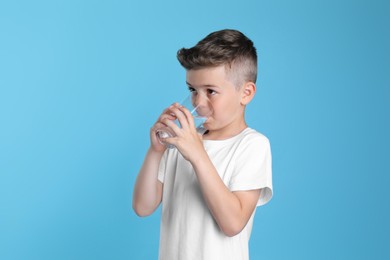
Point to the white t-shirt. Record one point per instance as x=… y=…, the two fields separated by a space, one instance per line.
x=188 y=230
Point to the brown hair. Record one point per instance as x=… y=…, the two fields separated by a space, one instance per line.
x=226 y=47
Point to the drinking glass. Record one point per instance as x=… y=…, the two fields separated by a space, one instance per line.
x=200 y=112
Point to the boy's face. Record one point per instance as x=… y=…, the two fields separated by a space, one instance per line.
x=212 y=88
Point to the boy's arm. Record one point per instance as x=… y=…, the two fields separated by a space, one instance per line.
x=148 y=189
x=147 y=192
x=231 y=210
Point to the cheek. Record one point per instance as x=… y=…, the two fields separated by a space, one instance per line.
x=223 y=110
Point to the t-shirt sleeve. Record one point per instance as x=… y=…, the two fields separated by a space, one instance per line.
x=162 y=167
x=253 y=167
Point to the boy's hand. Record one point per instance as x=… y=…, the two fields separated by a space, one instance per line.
x=187 y=140
x=168 y=115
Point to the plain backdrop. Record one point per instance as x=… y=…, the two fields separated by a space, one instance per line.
x=82 y=82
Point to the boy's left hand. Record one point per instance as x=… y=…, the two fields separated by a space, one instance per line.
x=187 y=140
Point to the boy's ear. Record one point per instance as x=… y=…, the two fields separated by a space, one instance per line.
x=248 y=92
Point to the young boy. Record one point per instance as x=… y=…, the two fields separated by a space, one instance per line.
x=209 y=185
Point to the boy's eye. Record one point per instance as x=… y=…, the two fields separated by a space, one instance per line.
x=191 y=89
x=211 y=92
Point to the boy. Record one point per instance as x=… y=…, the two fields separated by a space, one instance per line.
x=209 y=185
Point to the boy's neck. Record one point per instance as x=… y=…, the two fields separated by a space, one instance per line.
x=225 y=133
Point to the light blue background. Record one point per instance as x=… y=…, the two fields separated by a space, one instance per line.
x=81 y=83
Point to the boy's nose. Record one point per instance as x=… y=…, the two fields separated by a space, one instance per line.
x=202 y=102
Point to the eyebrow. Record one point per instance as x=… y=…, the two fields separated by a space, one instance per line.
x=202 y=86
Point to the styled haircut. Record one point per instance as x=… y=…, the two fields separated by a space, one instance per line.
x=226 y=47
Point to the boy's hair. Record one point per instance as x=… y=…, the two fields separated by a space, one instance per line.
x=226 y=47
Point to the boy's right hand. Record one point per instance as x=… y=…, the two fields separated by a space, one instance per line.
x=155 y=144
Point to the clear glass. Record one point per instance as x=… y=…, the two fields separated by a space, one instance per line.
x=200 y=110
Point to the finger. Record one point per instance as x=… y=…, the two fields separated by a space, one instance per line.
x=169 y=115
x=181 y=117
x=157 y=126
x=169 y=140
x=164 y=117
x=171 y=124
x=189 y=116
x=168 y=112
x=169 y=109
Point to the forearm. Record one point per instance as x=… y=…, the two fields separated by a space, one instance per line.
x=148 y=189
x=224 y=205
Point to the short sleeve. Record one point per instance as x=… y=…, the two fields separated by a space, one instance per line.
x=162 y=167
x=253 y=167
